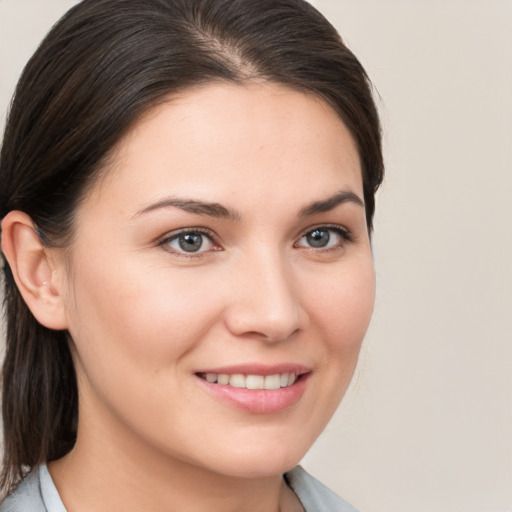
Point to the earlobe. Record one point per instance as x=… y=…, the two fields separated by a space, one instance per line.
x=34 y=271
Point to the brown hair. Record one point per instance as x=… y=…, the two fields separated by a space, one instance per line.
x=104 y=64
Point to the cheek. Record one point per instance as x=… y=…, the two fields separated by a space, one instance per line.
x=133 y=330
x=128 y=319
x=343 y=307
x=340 y=313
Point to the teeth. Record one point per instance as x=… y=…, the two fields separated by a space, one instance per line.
x=254 y=382
x=272 y=382
x=238 y=380
x=223 y=379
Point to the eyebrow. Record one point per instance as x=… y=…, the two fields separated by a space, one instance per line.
x=326 y=205
x=217 y=210
x=193 y=206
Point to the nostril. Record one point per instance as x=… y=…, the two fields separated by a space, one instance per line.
x=271 y=329
x=266 y=303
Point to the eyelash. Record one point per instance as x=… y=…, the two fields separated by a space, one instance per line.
x=164 y=242
x=343 y=233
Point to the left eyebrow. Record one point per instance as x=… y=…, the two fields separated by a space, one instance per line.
x=326 y=205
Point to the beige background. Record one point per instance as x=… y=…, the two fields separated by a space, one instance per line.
x=427 y=425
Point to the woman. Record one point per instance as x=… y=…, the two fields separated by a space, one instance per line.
x=187 y=202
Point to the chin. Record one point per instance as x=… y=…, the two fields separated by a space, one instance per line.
x=261 y=460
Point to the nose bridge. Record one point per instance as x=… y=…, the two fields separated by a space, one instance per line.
x=267 y=301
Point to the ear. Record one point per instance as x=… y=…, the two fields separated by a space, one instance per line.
x=39 y=279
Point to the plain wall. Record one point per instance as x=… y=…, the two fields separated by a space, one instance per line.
x=427 y=423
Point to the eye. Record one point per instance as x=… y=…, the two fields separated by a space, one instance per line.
x=324 y=237
x=190 y=241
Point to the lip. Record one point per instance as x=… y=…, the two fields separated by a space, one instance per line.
x=258 y=369
x=258 y=401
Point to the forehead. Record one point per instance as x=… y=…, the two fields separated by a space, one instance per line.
x=219 y=138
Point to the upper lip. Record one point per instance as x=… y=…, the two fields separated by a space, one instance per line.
x=258 y=369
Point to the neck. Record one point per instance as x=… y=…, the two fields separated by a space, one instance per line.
x=104 y=473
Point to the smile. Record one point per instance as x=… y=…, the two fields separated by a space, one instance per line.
x=257 y=389
x=238 y=380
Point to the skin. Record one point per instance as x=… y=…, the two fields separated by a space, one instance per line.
x=145 y=316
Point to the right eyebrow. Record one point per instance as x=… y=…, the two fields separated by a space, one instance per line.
x=192 y=206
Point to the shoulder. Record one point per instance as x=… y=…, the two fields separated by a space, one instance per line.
x=314 y=495
x=27 y=497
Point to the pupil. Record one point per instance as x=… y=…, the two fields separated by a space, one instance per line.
x=318 y=238
x=191 y=242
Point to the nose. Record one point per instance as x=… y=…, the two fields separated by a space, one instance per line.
x=265 y=301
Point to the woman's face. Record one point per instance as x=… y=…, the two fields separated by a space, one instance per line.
x=225 y=249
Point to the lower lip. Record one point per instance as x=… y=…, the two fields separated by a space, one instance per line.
x=259 y=401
